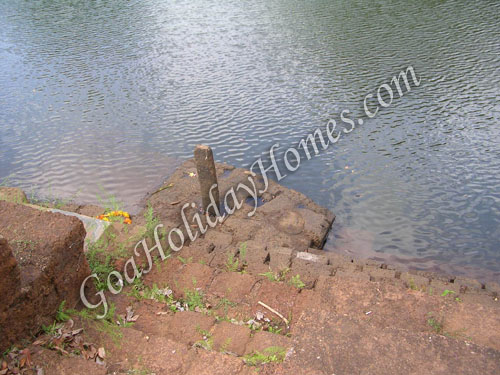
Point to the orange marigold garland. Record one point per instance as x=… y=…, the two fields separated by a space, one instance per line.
x=106 y=217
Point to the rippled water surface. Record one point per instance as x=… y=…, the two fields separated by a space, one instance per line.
x=109 y=96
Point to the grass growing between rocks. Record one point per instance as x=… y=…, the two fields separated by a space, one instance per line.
x=273 y=354
x=238 y=262
x=194 y=300
x=207 y=341
x=276 y=276
x=107 y=325
x=297 y=282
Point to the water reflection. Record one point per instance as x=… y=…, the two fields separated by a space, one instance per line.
x=115 y=94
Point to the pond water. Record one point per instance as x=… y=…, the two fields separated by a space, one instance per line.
x=107 y=97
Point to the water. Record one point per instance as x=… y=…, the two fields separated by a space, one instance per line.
x=110 y=96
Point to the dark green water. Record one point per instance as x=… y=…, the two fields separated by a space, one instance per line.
x=113 y=94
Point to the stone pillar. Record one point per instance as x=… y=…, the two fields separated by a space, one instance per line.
x=207 y=176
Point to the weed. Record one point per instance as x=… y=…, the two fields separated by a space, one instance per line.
x=157 y=263
x=136 y=289
x=25 y=244
x=232 y=263
x=8 y=350
x=222 y=318
x=151 y=222
x=224 y=347
x=237 y=263
x=121 y=251
x=243 y=253
x=280 y=276
x=447 y=292
x=273 y=354
x=106 y=325
x=274 y=329
x=225 y=303
x=271 y=276
x=436 y=325
x=297 y=282
x=207 y=343
x=61 y=314
x=194 y=299
x=51 y=329
x=100 y=264
x=185 y=260
x=5 y=181
x=110 y=203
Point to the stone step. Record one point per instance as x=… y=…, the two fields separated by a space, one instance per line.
x=201 y=329
x=408 y=302
x=328 y=343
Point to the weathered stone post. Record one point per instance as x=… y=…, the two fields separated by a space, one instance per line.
x=207 y=176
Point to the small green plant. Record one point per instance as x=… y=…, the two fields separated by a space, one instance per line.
x=185 y=260
x=7 y=351
x=106 y=325
x=232 y=263
x=61 y=314
x=25 y=244
x=243 y=253
x=274 y=329
x=273 y=354
x=436 y=325
x=5 y=181
x=297 y=282
x=239 y=262
x=109 y=202
x=100 y=263
x=194 y=299
x=447 y=292
x=272 y=276
x=225 y=346
x=151 y=221
x=207 y=342
x=51 y=329
x=225 y=304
